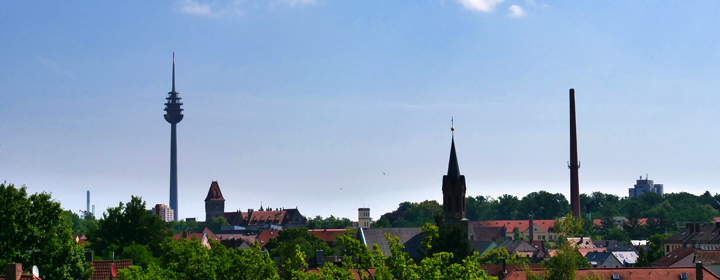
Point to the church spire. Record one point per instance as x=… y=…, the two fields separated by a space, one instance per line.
x=453 y=167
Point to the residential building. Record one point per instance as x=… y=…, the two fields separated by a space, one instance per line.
x=629 y=273
x=411 y=238
x=645 y=185
x=164 y=212
x=696 y=235
x=13 y=271
x=102 y=269
x=603 y=259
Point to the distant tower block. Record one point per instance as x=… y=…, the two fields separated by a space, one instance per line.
x=173 y=115
x=364 y=219
x=88 y=202
x=574 y=164
x=93 y=210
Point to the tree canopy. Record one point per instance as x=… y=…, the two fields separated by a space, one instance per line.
x=34 y=229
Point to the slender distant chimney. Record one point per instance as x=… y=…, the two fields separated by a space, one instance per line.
x=574 y=164
x=532 y=229
x=93 y=210
x=88 y=202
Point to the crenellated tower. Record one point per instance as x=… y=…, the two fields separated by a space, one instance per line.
x=173 y=115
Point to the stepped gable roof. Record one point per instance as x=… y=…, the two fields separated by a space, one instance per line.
x=101 y=269
x=411 y=238
x=675 y=256
x=327 y=235
x=214 y=194
x=635 y=273
x=513 y=225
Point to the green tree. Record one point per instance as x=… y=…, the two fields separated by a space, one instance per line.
x=33 y=229
x=140 y=255
x=656 y=248
x=563 y=265
x=642 y=260
x=617 y=234
x=506 y=207
x=451 y=238
x=184 y=226
x=218 y=223
x=495 y=256
x=126 y=225
x=329 y=223
x=288 y=239
x=568 y=226
x=543 y=205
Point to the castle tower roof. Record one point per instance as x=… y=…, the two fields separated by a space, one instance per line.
x=214 y=193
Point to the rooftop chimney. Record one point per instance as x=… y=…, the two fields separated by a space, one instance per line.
x=13 y=271
x=689 y=227
x=699 y=270
x=697 y=227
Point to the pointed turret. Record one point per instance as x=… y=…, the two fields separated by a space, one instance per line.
x=214 y=193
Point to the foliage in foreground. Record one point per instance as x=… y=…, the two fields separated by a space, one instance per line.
x=190 y=260
x=34 y=229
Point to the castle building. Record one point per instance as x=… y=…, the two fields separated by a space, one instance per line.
x=252 y=220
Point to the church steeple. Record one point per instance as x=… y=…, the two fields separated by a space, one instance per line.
x=453 y=168
x=453 y=187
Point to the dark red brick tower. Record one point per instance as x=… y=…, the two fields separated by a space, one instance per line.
x=574 y=164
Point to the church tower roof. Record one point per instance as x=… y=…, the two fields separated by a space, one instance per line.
x=214 y=193
x=453 y=167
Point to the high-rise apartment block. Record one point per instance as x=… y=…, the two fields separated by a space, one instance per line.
x=644 y=185
x=164 y=212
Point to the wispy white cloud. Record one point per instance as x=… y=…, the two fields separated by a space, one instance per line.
x=480 y=5
x=237 y=7
x=292 y=3
x=516 y=11
x=54 y=66
x=198 y=9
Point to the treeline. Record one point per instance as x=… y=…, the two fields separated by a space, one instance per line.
x=674 y=209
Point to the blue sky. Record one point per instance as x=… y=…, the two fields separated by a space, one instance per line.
x=307 y=102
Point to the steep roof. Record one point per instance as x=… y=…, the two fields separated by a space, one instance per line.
x=597 y=257
x=481 y=233
x=700 y=233
x=629 y=257
x=102 y=268
x=214 y=194
x=482 y=246
x=613 y=245
x=516 y=246
x=411 y=238
x=453 y=167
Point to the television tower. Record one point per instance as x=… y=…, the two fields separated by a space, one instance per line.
x=173 y=115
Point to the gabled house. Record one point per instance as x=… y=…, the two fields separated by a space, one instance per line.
x=603 y=259
x=704 y=236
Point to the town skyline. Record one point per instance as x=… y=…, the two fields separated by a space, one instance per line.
x=330 y=107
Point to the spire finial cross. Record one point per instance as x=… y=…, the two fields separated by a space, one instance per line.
x=452 y=127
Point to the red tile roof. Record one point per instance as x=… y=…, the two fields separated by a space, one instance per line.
x=266 y=217
x=102 y=268
x=327 y=235
x=24 y=276
x=512 y=225
x=635 y=273
x=496 y=269
x=265 y=236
